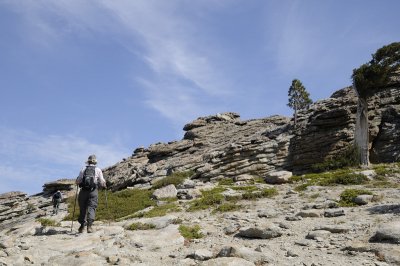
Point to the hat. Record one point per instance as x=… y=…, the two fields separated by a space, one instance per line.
x=92 y=159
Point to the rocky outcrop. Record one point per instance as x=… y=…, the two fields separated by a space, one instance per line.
x=324 y=130
x=214 y=147
x=223 y=146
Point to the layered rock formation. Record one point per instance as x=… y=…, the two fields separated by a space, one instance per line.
x=223 y=146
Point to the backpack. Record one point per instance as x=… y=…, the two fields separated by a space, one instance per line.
x=57 y=197
x=88 y=178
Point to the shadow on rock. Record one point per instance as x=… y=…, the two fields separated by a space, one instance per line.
x=384 y=209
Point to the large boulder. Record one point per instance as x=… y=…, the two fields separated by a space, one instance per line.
x=389 y=232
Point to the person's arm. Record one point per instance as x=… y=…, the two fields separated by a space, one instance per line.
x=100 y=177
x=80 y=177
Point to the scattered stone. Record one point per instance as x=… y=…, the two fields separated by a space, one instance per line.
x=389 y=232
x=263 y=233
x=337 y=229
x=202 y=254
x=165 y=192
x=245 y=253
x=309 y=213
x=293 y=218
x=363 y=199
x=231 y=229
x=113 y=260
x=267 y=213
x=323 y=234
x=279 y=177
x=228 y=262
x=334 y=213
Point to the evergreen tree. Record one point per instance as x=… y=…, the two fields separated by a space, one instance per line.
x=382 y=71
x=299 y=98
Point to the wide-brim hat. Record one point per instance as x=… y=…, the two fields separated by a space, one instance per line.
x=92 y=159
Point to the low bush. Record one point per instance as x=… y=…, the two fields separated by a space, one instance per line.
x=227 y=207
x=48 y=222
x=348 y=158
x=209 y=199
x=173 y=179
x=347 y=196
x=338 y=177
x=162 y=210
x=190 y=232
x=119 y=204
x=226 y=182
x=141 y=226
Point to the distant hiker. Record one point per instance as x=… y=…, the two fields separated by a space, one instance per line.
x=56 y=199
x=89 y=179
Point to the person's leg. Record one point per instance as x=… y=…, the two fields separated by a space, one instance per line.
x=91 y=209
x=83 y=204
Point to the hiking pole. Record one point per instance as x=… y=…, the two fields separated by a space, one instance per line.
x=108 y=211
x=73 y=214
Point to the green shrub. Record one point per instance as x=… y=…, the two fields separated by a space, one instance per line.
x=141 y=226
x=120 y=204
x=161 y=210
x=347 y=196
x=259 y=180
x=173 y=179
x=344 y=179
x=190 y=232
x=245 y=188
x=348 y=158
x=227 y=207
x=338 y=177
x=30 y=208
x=269 y=192
x=226 y=182
x=48 y=222
x=209 y=199
x=265 y=193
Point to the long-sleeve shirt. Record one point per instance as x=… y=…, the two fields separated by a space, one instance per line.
x=98 y=177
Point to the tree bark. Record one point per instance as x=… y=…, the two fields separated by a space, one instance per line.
x=361 y=130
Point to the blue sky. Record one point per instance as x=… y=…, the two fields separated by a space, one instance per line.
x=106 y=77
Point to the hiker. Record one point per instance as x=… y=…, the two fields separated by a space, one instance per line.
x=56 y=199
x=89 y=179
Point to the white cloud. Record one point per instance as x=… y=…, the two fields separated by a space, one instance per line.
x=27 y=160
x=167 y=36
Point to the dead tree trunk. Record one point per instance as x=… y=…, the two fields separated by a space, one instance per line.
x=361 y=131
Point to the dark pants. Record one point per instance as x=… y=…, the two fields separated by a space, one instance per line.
x=87 y=205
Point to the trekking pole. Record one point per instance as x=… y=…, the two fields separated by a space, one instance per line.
x=73 y=214
x=108 y=211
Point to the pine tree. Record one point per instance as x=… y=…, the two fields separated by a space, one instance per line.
x=299 y=98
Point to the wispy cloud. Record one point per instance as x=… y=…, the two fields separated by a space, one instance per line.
x=28 y=158
x=168 y=41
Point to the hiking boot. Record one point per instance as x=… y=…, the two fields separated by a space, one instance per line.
x=89 y=229
x=80 y=230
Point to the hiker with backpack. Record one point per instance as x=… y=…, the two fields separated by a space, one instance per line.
x=89 y=180
x=56 y=199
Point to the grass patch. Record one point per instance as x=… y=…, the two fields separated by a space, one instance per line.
x=173 y=179
x=190 y=232
x=385 y=170
x=347 y=196
x=226 y=182
x=245 y=188
x=210 y=198
x=141 y=226
x=47 y=222
x=338 y=177
x=158 y=211
x=259 y=180
x=227 y=207
x=120 y=204
x=265 y=193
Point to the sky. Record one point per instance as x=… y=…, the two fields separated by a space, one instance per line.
x=106 y=77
